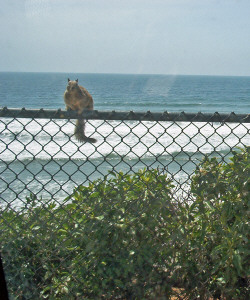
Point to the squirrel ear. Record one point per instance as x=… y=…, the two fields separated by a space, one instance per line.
x=77 y=80
x=68 y=79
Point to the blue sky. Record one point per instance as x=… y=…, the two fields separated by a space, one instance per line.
x=196 y=37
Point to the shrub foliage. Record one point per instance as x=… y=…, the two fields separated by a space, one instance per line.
x=127 y=237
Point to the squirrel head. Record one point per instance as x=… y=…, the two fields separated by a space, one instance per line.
x=72 y=85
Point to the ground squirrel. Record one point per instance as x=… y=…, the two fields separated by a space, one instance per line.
x=78 y=98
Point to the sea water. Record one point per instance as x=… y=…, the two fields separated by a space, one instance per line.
x=175 y=148
x=154 y=93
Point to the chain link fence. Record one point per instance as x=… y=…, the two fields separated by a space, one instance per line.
x=45 y=172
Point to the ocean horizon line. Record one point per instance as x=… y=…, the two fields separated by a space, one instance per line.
x=116 y=73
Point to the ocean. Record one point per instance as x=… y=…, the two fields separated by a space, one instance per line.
x=155 y=93
x=176 y=148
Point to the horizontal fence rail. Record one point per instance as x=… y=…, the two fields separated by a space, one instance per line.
x=132 y=116
x=102 y=220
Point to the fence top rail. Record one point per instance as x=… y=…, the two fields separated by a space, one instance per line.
x=125 y=115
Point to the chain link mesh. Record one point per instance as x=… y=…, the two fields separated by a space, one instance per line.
x=40 y=159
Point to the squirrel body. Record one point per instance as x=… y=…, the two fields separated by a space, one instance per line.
x=77 y=98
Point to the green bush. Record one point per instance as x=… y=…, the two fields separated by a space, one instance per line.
x=217 y=243
x=125 y=237
x=117 y=238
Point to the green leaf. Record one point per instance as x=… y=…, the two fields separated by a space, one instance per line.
x=237 y=262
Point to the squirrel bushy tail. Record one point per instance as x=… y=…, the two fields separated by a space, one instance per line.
x=79 y=132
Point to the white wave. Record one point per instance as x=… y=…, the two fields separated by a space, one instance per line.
x=42 y=156
x=26 y=139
